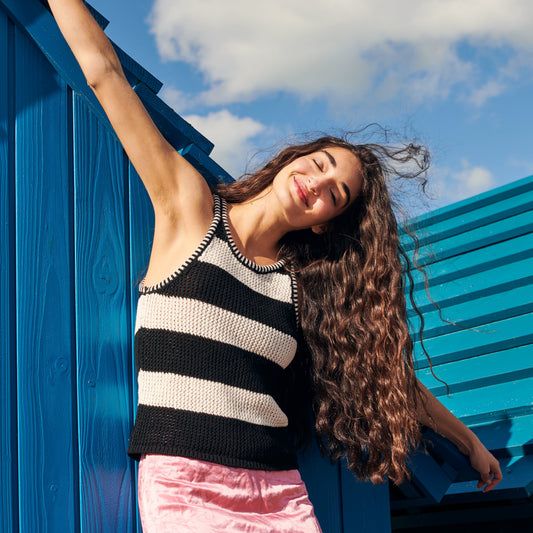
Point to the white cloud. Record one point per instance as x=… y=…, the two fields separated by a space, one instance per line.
x=177 y=100
x=231 y=135
x=348 y=50
x=447 y=186
x=491 y=89
x=473 y=180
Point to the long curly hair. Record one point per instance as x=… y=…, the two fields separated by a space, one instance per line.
x=356 y=354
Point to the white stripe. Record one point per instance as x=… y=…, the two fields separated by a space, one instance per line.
x=160 y=389
x=184 y=315
x=273 y=284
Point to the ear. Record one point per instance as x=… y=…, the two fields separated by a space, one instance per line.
x=319 y=230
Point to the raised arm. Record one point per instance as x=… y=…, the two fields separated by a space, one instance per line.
x=434 y=415
x=176 y=189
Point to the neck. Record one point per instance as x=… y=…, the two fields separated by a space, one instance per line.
x=256 y=229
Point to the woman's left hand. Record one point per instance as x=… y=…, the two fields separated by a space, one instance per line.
x=487 y=465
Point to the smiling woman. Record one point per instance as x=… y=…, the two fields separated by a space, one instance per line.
x=265 y=300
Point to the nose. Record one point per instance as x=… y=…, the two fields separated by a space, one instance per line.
x=316 y=185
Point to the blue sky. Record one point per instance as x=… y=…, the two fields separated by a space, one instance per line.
x=456 y=75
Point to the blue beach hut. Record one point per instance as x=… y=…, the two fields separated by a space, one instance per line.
x=76 y=228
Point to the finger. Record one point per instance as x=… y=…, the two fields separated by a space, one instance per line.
x=486 y=479
x=497 y=477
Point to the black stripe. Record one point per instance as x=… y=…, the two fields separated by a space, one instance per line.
x=213 y=285
x=158 y=350
x=210 y=438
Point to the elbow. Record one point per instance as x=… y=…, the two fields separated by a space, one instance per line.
x=99 y=69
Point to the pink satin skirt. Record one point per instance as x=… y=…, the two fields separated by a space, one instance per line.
x=177 y=494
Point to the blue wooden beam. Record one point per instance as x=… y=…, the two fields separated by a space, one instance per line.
x=40 y=25
x=211 y=171
x=462 y=208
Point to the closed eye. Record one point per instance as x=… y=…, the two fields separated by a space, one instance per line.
x=321 y=168
x=333 y=197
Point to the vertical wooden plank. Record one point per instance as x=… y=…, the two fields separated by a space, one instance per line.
x=47 y=447
x=365 y=507
x=8 y=391
x=323 y=485
x=102 y=320
x=141 y=235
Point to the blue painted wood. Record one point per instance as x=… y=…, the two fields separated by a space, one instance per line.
x=477 y=372
x=429 y=477
x=484 y=283
x=517 y=482
x=498 y=210
x=501 y=335
x=46 y=380
x=514 y=226
x=133 y=70
x=40 y=25
x=509 y=437
x=475 y=312
x=176 y=130
x=141 y=224
x=365 y=507
x=468 y=205
x=103 y=325
x=213 y=173
x=496 y=402
x=323 y=485
x=8 y=392
x=493 y=256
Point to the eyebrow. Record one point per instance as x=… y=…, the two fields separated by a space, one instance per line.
x=344 y=186
x=330 y=157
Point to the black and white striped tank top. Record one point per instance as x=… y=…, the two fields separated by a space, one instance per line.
x=212 y=345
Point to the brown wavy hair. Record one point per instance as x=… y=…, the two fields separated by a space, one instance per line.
x=356 y=354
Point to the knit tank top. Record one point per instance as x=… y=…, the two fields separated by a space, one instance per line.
x=212 y=345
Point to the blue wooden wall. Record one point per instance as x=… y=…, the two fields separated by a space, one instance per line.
x=76 y=228
x=479 y=257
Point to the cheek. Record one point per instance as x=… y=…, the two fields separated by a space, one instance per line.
x=301 y=166
x=325 y=211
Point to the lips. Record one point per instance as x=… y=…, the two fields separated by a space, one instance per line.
x=301 y=192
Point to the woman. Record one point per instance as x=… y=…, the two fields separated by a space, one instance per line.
x=303 y=254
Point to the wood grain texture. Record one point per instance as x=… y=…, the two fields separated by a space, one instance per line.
x=141 y=230
x=47 y=442
x=8 y=390
x=103 y=325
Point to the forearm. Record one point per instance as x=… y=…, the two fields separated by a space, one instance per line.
x=88 y=42
x=433 y=414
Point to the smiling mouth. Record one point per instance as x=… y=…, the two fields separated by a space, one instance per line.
x=302 y=194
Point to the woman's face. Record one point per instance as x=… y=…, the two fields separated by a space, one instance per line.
x=316 y=188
